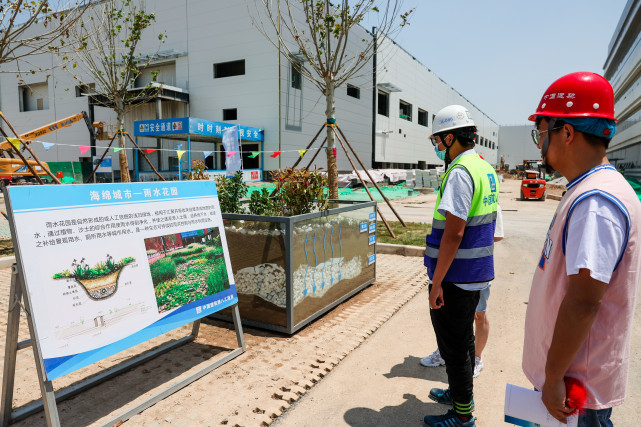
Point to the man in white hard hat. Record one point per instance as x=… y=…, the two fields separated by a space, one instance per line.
x=481 y=320
x=459 y=257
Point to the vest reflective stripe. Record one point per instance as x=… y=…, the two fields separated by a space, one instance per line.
x=463 y=253
x=474 y=261
x=475 y=220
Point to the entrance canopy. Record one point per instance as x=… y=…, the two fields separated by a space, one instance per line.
x=198 y=130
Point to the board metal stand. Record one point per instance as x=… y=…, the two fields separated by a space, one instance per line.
x=49 y=396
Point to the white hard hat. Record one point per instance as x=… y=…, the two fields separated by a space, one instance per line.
x=451 y=117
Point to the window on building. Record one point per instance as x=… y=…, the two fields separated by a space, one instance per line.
x=230 y=114
x=383 y=103
x=297 y=77
x=164 y=74
x=248 y=162
x=82 y=90
x=229 y=69
x=405 y=110
x=433 y=117
x=353 y=91
x=173 y=163
x=422 y=117
x=34 y=97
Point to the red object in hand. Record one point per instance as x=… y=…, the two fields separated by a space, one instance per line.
x=576 y=395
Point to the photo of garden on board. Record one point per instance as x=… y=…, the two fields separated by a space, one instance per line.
x=186 y=267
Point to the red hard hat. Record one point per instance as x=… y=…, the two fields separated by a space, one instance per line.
x=581 y=94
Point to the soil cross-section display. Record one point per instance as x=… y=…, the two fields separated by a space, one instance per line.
x=99 y=281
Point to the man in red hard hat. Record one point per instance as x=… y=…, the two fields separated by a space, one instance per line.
x=579 y=315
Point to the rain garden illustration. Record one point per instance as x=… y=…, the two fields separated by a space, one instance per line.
x=99 y=281
x=186 y=267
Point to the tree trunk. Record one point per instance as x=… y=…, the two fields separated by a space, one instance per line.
x=332 y=169
x=124 y=165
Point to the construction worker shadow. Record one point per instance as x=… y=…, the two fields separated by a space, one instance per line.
x=412 y=368
x=410 y=412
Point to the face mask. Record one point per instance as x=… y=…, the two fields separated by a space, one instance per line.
x=440 y=153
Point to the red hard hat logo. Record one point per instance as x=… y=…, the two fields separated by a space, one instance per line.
x=581 y=94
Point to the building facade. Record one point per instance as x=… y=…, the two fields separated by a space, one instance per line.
x=623 y=69
x=408 y=95
x=517 y=145
x=215 y=65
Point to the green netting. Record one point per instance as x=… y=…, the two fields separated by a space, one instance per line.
x=358 y=194
x=635 y=184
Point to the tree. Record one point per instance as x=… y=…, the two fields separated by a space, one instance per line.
x=317 y=45
x=19 y=37
x=107 y=47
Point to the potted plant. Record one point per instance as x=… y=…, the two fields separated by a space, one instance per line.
x=295 y=254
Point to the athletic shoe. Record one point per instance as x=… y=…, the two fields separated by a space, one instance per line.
x=433 y=360
x=441 y=396
x=448 y=420
x=478 y=366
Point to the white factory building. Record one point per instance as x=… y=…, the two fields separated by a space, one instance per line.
x=623 y=69
x=216 y=66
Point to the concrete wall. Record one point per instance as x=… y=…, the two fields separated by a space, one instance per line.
x=516 y=145
x=408 y=143
x=201 y=33
x=623 y=69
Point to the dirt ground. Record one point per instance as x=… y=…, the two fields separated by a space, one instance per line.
x=357 y=365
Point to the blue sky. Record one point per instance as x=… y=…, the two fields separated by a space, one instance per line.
x=503 y=54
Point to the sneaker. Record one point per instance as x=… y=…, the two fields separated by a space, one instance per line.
x=478 y=366
x=448 y=420
x=433 y=360
x=441 y=396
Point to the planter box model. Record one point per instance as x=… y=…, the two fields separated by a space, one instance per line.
x=291 y=270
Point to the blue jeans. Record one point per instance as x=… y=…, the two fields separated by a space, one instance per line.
x=596 y=418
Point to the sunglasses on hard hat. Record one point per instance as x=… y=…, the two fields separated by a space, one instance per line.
x=536 y=134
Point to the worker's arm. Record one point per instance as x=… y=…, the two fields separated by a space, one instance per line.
x=452 y=236
x=576 y=315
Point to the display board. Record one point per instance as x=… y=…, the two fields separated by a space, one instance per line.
x=109 y=266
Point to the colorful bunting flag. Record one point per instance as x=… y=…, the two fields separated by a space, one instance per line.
x=15 y=142
x=231 y=153
x=47 y=145
x=302 y=153
x=207 y=154
x=276 y=154
x=254 y=154
x=180 y=153
x=116 y=149
x=149 y=150
x=83 y=148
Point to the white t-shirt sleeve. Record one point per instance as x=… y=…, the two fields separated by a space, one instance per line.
x=498 y=226
x=457 y=197
x=597 y=231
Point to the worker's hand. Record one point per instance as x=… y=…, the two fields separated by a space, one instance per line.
x=436 y=296
x=553 y=397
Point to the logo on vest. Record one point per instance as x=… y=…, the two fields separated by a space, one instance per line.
x=547 y=247
x=490 y=177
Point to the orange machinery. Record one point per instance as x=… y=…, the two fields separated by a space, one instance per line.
x=14 y=170
x=533 y=182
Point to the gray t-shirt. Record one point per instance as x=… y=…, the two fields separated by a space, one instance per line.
x=457 y=200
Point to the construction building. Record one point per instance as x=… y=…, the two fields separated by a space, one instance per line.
x=623 y=69
x=217 y=67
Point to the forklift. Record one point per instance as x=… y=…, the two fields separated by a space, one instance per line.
x=533 y=182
